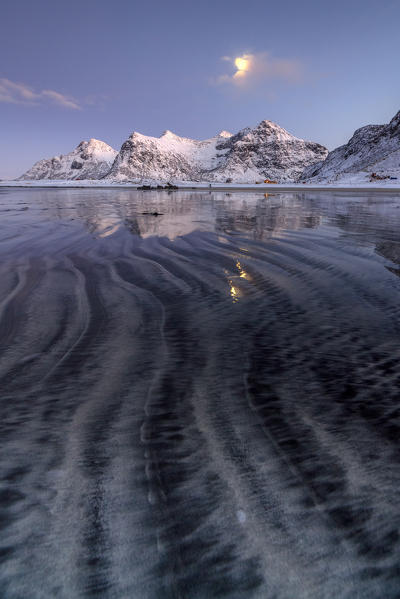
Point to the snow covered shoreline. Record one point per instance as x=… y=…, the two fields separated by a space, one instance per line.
x=356 y=185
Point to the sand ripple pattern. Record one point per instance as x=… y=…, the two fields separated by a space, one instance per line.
x=201 y=402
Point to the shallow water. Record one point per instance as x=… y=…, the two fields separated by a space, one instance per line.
x=199 y=395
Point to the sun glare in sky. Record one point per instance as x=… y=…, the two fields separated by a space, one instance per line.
x=241 y=63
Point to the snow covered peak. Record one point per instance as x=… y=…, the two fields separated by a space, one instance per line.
x=166 y=137
x=170 y=134
x=272 y=129
x=371 y=149
x=90 y=160
x=224 y=134
x=92 y=143
x=395 y=123
x=269 y=125
x=97 y=143
x=136 y=134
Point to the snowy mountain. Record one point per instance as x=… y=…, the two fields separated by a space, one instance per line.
x=267 y=151
x=168 y=157
x=90 y=160
x=372 y=149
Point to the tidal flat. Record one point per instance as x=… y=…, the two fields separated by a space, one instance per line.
x=199 y=394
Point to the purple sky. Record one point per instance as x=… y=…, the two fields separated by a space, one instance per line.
x=89 y=68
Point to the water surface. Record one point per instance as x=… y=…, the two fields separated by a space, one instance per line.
x=199 y=395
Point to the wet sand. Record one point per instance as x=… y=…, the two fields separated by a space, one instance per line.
x=199 y=395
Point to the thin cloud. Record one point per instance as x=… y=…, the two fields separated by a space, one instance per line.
x=19 y=93
x=60 y=99
x=252 y=69
x=16 y=93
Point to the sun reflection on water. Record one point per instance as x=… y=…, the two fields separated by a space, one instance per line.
x=234 y=292
x=242 y=273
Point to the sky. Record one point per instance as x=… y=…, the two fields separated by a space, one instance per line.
x=77 y=69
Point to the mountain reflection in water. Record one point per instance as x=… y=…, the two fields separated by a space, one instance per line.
x=199 y=394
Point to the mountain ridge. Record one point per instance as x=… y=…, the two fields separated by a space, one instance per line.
x=266 y=151
x=250 y=155
x=371 y=149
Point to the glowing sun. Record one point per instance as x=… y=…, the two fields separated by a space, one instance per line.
x=241 y=63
